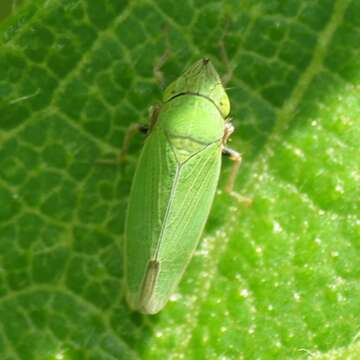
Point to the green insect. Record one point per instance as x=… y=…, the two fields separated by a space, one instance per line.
x=175 y=184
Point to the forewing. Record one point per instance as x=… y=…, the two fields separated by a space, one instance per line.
x=168 y=208
x=148 y=201
x=189 y=209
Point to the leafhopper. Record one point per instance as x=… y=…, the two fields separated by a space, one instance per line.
x=174 y=185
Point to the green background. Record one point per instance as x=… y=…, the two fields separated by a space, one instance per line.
x=8 y=7
x=278 y=280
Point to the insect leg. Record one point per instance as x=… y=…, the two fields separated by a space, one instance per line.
x=136 y=128
x=132 y=130
x=158 y=74
x=153 y=116
x=224 y=54
x=236 y=158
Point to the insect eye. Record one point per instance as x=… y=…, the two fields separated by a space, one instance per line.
x=224 y=105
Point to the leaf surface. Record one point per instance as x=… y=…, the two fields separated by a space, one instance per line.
x=277 y=280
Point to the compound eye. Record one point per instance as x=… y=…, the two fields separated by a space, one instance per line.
x=224 y=105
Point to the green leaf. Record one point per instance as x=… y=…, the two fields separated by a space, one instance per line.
x=277 y=280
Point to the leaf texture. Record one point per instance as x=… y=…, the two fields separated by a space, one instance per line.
x=278 y=280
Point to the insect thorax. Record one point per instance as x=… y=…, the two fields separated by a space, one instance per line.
x=191 y=123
